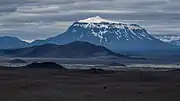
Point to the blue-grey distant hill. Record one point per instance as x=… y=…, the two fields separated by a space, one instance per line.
x=72 y=50
x=8 y=42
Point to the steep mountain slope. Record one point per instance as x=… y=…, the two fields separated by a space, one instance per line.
x=8 y=42
x=71 y=50
x=113 y=35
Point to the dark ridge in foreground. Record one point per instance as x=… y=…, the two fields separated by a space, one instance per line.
x=96 y=71
x=75 y=49
x=50 y=65
x=35 y=65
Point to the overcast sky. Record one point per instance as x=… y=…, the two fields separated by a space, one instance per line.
x=38 y=19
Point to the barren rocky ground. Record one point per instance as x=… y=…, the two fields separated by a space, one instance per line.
x=75 y=85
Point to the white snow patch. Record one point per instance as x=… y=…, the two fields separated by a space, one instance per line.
x=96 y=19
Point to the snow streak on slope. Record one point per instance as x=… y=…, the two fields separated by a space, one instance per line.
x=103 y=29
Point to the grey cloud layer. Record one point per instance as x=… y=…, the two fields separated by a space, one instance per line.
x=31 y=19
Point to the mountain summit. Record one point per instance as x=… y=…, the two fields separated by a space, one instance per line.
x=96 y=19
x=114 y=35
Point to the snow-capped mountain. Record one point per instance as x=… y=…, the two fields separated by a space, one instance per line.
x=167 y=38
x=111 y=34
x=172 y=39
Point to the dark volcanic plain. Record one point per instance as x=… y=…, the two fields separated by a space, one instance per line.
x=79 y=85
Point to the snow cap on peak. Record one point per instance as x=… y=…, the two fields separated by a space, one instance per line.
x=96 y=19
